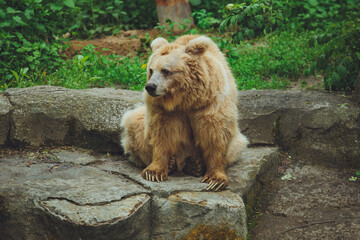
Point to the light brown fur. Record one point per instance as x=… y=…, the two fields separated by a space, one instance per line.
x=192 y=111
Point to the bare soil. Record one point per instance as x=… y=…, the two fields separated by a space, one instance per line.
x=126 y=43
x=316 y=203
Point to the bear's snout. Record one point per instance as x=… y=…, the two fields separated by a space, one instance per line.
x=151 y=88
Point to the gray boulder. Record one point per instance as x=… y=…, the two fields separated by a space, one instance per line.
x=5 y=108
x=47 y=115
x=313 y=126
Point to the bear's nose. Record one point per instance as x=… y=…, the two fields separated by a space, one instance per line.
x=150 y=87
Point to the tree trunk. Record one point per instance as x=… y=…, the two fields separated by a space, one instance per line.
x=175 y=10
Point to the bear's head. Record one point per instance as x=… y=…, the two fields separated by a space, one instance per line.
x=177 y=72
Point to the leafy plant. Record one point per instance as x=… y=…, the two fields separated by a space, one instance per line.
x=205 y=20
x=27 y=39
x=211 y=6
x=338 y=55
x=248 y=21
x=16 y=53
x=30 y=30
x=314 y=14
x=353 y=178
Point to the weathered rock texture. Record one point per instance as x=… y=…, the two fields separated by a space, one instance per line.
x=315 y=126
x=311 y=125
x=5 y=108
x=67 y=195
x=53 y=115
x=63 y=194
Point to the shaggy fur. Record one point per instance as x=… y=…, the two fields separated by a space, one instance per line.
x=190 y=112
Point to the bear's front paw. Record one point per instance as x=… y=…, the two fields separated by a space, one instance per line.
x=216 y=181
x=155 y=173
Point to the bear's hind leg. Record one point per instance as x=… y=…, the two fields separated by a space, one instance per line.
x=133 y=137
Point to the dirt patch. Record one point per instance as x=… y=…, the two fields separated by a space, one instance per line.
x=315 y=203
x=126 y=43
x=311 y=82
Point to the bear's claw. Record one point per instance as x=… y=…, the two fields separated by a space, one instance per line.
x=152 y=178
x=212 y=185
x=215 y=185
x=147 y=175
x=216 y=182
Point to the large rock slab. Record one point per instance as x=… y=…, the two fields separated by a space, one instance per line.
x=310 y=125
x=55 y=200
x=66 y=194
x=5 y=108
x=46 y=115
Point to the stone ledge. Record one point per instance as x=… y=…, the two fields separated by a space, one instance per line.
x=310 y=125
x=104 y=197
x=46 y=115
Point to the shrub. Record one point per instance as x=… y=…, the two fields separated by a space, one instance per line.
x=248 y=21
x=314 y=14
x=338 y=54
x=205 y=20
x=30 y=31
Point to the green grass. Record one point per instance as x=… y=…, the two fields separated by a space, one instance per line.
x=86 y=70
x=267 y=63
x=270 y=62
x=91 y=69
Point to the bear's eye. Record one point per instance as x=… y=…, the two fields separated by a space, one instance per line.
x=151 y=71
x=165 y=71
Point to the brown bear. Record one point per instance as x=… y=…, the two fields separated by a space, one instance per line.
x=190 y=112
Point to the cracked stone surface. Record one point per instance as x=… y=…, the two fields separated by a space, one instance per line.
x=95 y=215
x=67 y=194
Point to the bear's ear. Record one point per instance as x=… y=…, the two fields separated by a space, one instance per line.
x=158 y=42
x=198 y=45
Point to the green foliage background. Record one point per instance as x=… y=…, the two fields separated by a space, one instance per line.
x=267 y=42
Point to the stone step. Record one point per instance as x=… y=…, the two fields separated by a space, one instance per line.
x=66 y=194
